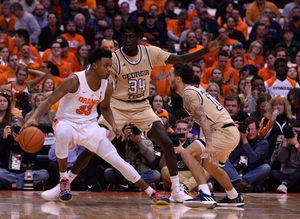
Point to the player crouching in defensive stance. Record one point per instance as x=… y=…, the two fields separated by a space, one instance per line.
x=76 y=123
x=220 y=138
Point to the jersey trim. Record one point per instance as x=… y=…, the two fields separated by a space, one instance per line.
x=149 y=58
x=131 y=63
x=118 y=61
x=201 y=100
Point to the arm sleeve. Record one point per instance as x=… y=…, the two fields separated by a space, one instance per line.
x=265 y=127
x=158 y=56
x=259 y=153
x=172 y=36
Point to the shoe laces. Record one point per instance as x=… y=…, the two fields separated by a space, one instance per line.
x=65 y=186
x=156 y=195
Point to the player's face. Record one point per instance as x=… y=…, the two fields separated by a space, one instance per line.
x=172 y=80
x=3 y=103
x=279 y=107
x=232 y=107
x=129 y=41
x=103 y=67
x=39 y=100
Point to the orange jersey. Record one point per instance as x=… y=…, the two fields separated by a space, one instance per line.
x=198 y=47
x=226 y=90
x=34 y=52
x=74 y=41
x=159 y=76
x=177 y=30
x=160 y=5
x=194 y=13
x=64 y=68
x=230 y=41
x=229 y=73
x=55 y=106
x=58 y=9
x=211 y=58
x=241 y=26
x=266 y=73
x=69 y=58
x=9 y=42
x=32 y=64
x=7 y=77
x=3 y=68
x=8 y=25
x=90 y=4
x=259 y=60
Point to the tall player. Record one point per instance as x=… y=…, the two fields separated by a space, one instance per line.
x=220 y=134
x=131 y=68
x=76 y=122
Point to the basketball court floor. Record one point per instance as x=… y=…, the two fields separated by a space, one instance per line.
x=114 y=205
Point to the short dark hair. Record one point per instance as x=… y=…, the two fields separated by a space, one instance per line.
x=99 y=53
x=10 y=55
x=54 y=68
x=251 y=120
x=108 y=27
x=279 y=49
x=280 y=60
x=223 y=53
x=64 y=42
x=232 y=97
x=185 y=71
x=132 y=26
x=105 y=38
x=256 y=77
x=181 y=121
x=195 y=80
x=287 y=30
x=153 y=83
x=22 y=33
x=53 y=42
x=261 y=24
x=296 y=124
x=269 y=52
x=16 y=6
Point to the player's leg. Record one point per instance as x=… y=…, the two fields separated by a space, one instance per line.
x=159 y=134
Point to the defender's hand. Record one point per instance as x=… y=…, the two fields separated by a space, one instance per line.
x=210 y=153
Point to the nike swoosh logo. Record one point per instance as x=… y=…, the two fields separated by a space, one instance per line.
x=89 y=186
x=125 y=186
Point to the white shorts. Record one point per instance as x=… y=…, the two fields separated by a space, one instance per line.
x=88 y=134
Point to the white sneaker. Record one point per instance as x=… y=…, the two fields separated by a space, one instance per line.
x=282 y=188
x=52 y=194
x=178 y=195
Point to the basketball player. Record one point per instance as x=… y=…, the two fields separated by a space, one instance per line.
x=131 y=68
x=76 y=122
x=220 y=134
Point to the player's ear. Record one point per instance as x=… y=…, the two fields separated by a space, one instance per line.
x=94 y=65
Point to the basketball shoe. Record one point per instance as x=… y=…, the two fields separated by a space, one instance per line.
x=158 y=199
x=51 y=194
x=202 y=200
x=227 y=202
x=65 y=192
x=178 y=195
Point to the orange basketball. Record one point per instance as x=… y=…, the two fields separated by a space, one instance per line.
x=31 y=139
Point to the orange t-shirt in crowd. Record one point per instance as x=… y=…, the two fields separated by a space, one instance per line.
x=58 y=9
x=160 y=5
x=241 y=26
x=74 y=41
x=34 y=52
x=228 y=72
x=90 y=4
x=64 y=68
x=3 y=68
x=246 y=62
x=9 y=42
x=16 y=112
x=7 y=77
x=57 y=82
x=230 y=41
x=259 y=60
x=177 y=30
x=32 y=64
x=55 y=106
x=194 y=13
x=226 y=90
x=69 y=58
x=8 y=25
x=159 y=76
x=81 y=67
x=266 y=73
x=198 y=47
x=211 y=58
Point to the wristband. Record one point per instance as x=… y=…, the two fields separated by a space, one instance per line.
x=272 y=120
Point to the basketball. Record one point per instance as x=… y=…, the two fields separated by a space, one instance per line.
x=31 y=139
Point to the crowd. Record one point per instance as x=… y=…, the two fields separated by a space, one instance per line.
x=255 y=75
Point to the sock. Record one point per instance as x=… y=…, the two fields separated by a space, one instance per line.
x=64 y=174
x=232 y=194
x=175 y=182
x=204 y=188
x=149 y=191
x=71 y=176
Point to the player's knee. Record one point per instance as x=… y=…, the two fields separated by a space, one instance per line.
x=63 y=137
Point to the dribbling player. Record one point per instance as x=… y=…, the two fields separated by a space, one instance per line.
x=220 y=138
x=76 y=122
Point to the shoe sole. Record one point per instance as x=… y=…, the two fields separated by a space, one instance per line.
x=66 y=200
x=50 y=199
x=160 y=202
x=197 y=204
x=230 y=204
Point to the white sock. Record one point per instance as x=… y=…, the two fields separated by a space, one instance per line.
x=64 y=174
x=204 y=188
x=175 y=182
x=232 y=194
x=149 y=191
x=71 y=176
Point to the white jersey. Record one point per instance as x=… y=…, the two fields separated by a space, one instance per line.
x=277 y=87
x=81 y=105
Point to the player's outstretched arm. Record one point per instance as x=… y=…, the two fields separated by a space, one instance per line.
x=107 y=113
x=70 y=84
x=190 y=57
x=192 y=103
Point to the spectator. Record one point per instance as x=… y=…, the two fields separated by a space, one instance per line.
x=12 y=173
x=196 y=12
x=99 y=21
x=46 y=4
x=29 y=5
x=5 y=111
x=125 y=12
x=72 y=37
x=108 y=32
x=294 y=23
x=209 y=58
x=26 y=60
x=217 y=76
x=278 y=116
x=117 y=23
x=74 y=10
x=59 y=6
x=164 y=115
x=48 y=86
x=254 y=11
x=221 y=9
x=208 y=24
x=159 y=3
x=257 y=87
x=174 y=102
x=214 y=90
x=228 y=10
x=195 y=23
x=176 y=27
x=41 y=15
x=88 y=33
x=237 y=62
x=233 y=33
x=26 y=21
x=261 y=106
x=150 y=27
x=7 y=41
x=229 y=41
x=191 y=38
x=261 y=35
x=152 y=89
x=14 y=111
x=294 y=99
x=287 y=13
x=91 y=5
x=254 y=150
x=248 y=70
x=238 y=49
x=140 y=13
x=289 y=44
x=232 y=105
x=293 y=74
x=241 y=91
x=7 y=19
x=280 y=84
x=111 y=8
x=50 y=32
x=139 y=153
x=238 y=23
x=107 y=43
x=185 y=176
x=81 y=55
x=51 y=72
x=168 y=14
x=157 y=102
x=255 y=54
x=199 y=73
x=131 y=5
x=269 y=71
x=281 y=53
x=3 y=58
x=9 y=75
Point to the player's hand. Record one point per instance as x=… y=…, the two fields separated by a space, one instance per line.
x=30 y=122
x=216 y=44
x=6 y=132
x=275 y=114
x=210 y=153
x=118 y=132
